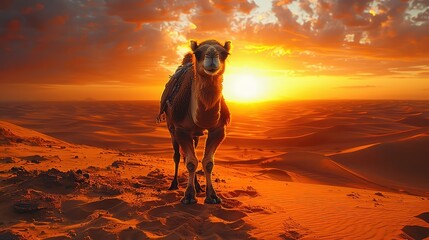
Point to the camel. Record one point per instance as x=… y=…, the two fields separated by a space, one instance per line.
x=193 y=102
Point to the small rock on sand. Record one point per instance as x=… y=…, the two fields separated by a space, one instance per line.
x=380 y=194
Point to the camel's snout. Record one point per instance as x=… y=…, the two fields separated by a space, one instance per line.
x=211 y=64
x=211 y=61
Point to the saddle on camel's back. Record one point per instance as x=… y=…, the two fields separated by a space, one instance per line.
x=171 y=89
x=177 y=94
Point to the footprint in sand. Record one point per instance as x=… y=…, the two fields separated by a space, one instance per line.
x=79 y=210
x=418 y=232
x=230 y=202
x=250 y=192
x=132 y=234
x=178 y=221
x=154 y=226
x=229 y=215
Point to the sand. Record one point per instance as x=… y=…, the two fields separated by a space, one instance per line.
x=321 y=171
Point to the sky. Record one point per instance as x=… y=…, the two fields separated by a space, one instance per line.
x=282 y=50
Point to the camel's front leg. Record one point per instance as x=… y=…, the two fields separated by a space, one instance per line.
x=214 y=139
x=185 y=141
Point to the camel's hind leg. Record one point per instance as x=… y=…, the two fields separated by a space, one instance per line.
x=176 y=157
x=186 y=142
x=214 y=139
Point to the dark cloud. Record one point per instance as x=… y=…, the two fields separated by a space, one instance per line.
x=5 y=4
x=217 y=15
x=77 y=42
x=139 y=11
x=229 y=6
x=212 y=19
x=351 y=13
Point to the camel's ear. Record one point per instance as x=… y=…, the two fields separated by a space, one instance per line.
x=194 y=45
x=228 y=46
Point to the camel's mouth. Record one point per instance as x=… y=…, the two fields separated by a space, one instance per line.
x=211 y=71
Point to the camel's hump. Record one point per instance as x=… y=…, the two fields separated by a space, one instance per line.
x=172 y=87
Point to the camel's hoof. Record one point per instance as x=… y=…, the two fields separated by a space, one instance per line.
x=188 y=200
x=213 y=200
x=174 y=186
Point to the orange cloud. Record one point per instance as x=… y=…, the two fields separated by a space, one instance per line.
x=139 y=42
x=139 y=11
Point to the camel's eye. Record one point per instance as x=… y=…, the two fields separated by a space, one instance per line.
x=198 y=54
x=223 y=55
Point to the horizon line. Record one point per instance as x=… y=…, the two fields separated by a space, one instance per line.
x=229 y=101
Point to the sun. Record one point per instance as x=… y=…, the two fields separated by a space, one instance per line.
x=244 y=87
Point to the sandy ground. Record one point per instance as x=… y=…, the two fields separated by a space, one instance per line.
x=320 y=173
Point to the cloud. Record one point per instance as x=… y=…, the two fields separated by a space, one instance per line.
x=138 y=11
x=424 y=74
x=351 y=13
x=78 y=42
x=382 y=35
x=137 y=41
x=389 y=33
x=229 y=6
x=218 y=15
x=211 y=20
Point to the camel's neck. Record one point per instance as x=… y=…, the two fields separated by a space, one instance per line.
x=205 y=101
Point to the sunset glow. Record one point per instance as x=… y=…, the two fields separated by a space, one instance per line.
x=111 y=50
x=245 y=87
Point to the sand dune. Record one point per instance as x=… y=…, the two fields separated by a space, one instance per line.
x=418 y=120
x=315 y=168
x=401 y=163
x=22 y=135
x=311 y=170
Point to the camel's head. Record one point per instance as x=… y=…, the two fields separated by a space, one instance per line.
x=210 y=56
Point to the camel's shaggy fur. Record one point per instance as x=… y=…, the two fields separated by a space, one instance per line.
x=193 y=102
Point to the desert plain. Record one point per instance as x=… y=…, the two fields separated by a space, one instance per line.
x=287 y=170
